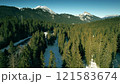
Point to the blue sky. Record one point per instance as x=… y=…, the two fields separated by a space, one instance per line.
x=99 y=8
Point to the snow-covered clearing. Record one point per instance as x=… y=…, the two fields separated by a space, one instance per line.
x=55 y=50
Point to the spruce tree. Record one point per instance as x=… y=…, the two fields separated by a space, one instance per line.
x=52 y=60
x=42 y=63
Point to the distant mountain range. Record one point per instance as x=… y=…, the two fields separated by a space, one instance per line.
x=45 y=14
x=110 y=16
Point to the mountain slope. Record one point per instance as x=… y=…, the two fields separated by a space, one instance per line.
x=45 y=14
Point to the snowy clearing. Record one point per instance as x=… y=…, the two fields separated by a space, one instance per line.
x=55 y=50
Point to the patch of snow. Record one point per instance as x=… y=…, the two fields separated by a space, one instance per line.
x=92 y=64
x=85 y=18
x=22 y=9
x=18 y=8
x=86 y=13
x=53 y=17
x=81 y=18
x=45 y=34
x=55 y=50
x=73 y=23
x=76 y=15
x=88 y=17
x=68 y=16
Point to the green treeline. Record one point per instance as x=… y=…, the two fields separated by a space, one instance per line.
x=99 y=40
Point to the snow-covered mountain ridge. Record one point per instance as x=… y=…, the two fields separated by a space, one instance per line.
x=84 y=17
x=45 y=8
x=87 y=17
x=110 y=16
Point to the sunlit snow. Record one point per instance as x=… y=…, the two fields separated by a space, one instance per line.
x=45 y=8
x=92 y=64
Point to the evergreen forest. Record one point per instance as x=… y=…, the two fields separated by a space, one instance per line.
x=78 y=43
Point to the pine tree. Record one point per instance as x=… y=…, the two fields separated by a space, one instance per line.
x=76 y=57
x=12 y=58
x=52 y=59
x=12 y=48
x=88 y=49
x=1 y=60
x=26 y=58
x=42 y=64
x=12 y=61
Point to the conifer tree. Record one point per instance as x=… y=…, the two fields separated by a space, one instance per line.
x=1 y=60
x=52 y=59
x=12 y=58
x=42 y=64
x=26 y=58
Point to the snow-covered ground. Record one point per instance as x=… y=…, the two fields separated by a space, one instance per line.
x=92 y=64
x=16 y=43
x=116 y=62
x=55 y=50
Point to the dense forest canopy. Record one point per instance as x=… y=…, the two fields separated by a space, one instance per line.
x=97 y=40
x=78 y=43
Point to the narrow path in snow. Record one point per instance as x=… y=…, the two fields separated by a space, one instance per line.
x=17 y=43
x=20 y=42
